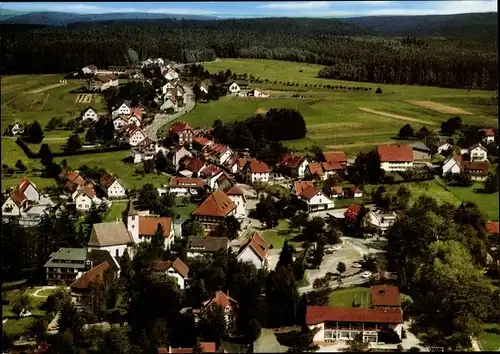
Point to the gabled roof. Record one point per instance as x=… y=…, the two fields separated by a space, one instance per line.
x=88 y=108
x=320 y=314
x=395 y=153
x=149 y=224
x=478 y=145
x=18 y=197
x=216 y=204
x=107 y=180
x=337 y=190
x=88 y=191
x=257 y=166
x=454 y=156
x=291 y=160
x=332 y=166
x=210 y=171
x=302 y=185
x=137 y=111
x=352 y=212
x=24 y=183
x=492 y=227
x=489 y=132
x=106 y=77
x=384 y=295
x=186 y=182
x=90 y=276
x=221 y=299
x=195 y=165
x=309 y=192
x=109 y=234
x=217 y=150
x=315 y=168
x=474 y=166
x=178 y=127
x=179 y=266
x=91 y=67
x=419 y=145
x=335 y=156
x=207 y=244
x=202 y=141
x=75 y=256
x=256 y=243
x=233 y=190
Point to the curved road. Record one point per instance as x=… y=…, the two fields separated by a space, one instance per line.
x=162 y=119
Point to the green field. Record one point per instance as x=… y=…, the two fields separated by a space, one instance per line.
x=333 y=117
x=346 y=297
x=278 y=235
x=489 y=338
x=488 y=203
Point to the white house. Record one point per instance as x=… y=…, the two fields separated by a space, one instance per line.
x=90 y=114
x=293 y=165
x=177 y=154
x=395 y=157
x=238 y=197
x=176 y=269
x=478 y=153
x=146 y=150
x=183 y=186
x=489 y=136
x=203 y=87
x=17 y=129
x=15 y=204
x=134 y=119
x=120 y=122
x=132 y=134
x=124 y=109
x=255 y=171
x=168 y=85
x=229 y=306
x=381 y=221
x=170 y=102
x=444 y=146
x=29 y=190
x=89 y=69
x=85 y=198
x=112 y=187
x=452 y=164
x=234 y=88
x=255 y=250
x=211 y=174
x=257 y=94
x=315 y=199
x=102 y=82
x=110 y=236
x=219 y=153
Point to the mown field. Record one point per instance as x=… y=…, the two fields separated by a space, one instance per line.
x=343 y=119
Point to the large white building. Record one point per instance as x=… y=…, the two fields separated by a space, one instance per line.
x=395 y=157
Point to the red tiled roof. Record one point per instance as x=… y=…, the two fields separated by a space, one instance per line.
x=395 y=153
x=18 y=197
x=457 y=158
x=352 y=212
x=243 y=161
x=88 y=191
x=210 y=171
x=137 y=111
x=335 y=156
x=332 y=166
x=257 y=166
x=356 y=190
x=195 y=165
x=107 y=180
x=177 y=264
x=476 y=168
x=309 y=192
x=302 y=185
x=201 y=140
x=337 y=190
x=233 y=190
x=149 y=224
x=489 y=132
x=291 y=160
x=186 y=182
x=258 y=244
x=384 y=295
x=492 y=227
x=216 y=150
x=315 y=168
x=178 y=127
x=24 y=183
x=220 y=299
x=72 y=175
x=320 y=314
x=217 y=204
x=90 y=276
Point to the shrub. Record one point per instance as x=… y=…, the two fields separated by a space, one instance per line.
x=378 y=91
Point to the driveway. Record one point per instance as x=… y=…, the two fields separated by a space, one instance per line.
x=160 y=120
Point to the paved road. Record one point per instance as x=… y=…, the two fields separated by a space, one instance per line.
x=35 y=294
x=152 y=129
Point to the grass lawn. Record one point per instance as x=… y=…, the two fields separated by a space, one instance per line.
x=46 y=292
x=346 y=297
x=346 y=202
x=489 y=338
x=185 y=209
x=115 y=213
x=488 y=203
x=280 y=234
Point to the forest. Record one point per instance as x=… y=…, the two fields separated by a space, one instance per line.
x=348 y=52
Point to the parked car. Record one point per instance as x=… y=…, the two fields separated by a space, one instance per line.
x=328 y=250
x=357 y=265
x=366 y=274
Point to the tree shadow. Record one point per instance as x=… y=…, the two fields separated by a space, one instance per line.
x=128 y=160
x=493 y=330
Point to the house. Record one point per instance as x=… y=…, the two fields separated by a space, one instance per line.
x=120 y=121
x=385 y=297
x=145 y=150
x=228 y=305
x=192 y=166
x=81 y=288
x=395 y=157
x=184 y=186
x=443 y=146
x=177 y=154
x=181 y=132
x=203 y=87
x=421 y=151
x=335 y=157
x=29 y=190
x=169 y=74
x=232 y=87
x=478 y=153
x=219 y=153
x=489 y=136
x=255 y=171
x=478 y=171
x=65 y=265
x=89 y=114
x=135 y=117
x=176 y=269
x=206 y=347
x=355 y=192
x=125 y=108
x=85 y=197
x=293 y=165
x=323 y=170
x=143 y=228
x=211 y=174
x=101 y=82
x=89 y=69
x=199 y=245
x=315 y=199
x=15 y=204
x=170 y=102
x=353 y=213
x=112 y=187
x=336 y=192
x=257 y=94
x=110 y=236
x=17 y=129
x=201 y=143
x=255 y=250
x=452 y=164
x=238 y=197
x=214 y=209
x=132 y=134
x=379 y=220
x=345 y=323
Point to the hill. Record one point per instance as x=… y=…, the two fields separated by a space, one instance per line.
x=480 y=26
x=6 y=13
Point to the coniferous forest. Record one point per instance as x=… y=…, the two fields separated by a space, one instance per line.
x=347 y=51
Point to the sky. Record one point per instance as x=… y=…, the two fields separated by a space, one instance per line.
x=271 y=8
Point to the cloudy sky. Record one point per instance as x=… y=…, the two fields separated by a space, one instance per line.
x=292 y=9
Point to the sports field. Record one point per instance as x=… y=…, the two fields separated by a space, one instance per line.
x=340 y=118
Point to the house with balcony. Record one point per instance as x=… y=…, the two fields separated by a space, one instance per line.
x=214 y=209
x=395 y=157
x=478 y=153
x=181 y=132
x=65 y=266
x=255 y=171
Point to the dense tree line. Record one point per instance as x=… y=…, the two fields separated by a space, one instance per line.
x=450 y=63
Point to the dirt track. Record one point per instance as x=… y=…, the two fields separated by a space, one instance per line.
x=438 y=107
x=45 y=88
x=397 y=116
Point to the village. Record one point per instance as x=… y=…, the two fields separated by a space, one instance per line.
x=239 y=198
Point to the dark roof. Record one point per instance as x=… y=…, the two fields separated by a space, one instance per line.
x=75 y=256
x=420 y=146
x=384 y=295
x=109 y=234
x=97 y=257
x=207 y=244
x=320 y=314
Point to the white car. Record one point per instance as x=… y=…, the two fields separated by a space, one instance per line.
x=366 y=274
x=357 y=265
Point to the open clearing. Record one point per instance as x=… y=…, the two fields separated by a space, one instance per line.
x=50 y=87
x=346 y=297
x=438 y=107
x=397 y=116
